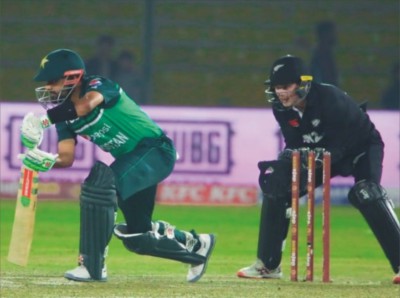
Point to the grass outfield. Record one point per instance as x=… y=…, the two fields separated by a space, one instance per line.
x=358 y=265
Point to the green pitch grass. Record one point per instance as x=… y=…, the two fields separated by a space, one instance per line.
x=358 y=265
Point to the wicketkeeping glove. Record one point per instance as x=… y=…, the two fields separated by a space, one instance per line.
x=319 y=156
x=32 y=130
x=286 y=155
x=38 y=160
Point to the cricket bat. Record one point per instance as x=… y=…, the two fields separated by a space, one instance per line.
x=24 y=219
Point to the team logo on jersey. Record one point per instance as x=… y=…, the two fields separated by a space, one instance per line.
x=95 y=83
x=294 y=122
x=315 y=122
x=312 y=138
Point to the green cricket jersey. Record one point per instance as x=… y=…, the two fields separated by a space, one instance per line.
x=116 y=126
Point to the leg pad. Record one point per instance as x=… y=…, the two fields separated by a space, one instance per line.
x=154 y=244
x=97 y=217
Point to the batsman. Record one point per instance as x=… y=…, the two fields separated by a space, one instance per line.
x=99 y=110
x=317 y=115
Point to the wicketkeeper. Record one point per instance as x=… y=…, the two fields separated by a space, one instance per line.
x=313 y=115
x=99 y=110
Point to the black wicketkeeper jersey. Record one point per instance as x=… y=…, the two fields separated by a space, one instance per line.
x=331 y=120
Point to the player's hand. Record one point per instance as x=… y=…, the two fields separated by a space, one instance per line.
x=285 y=154
x=32 y=130
x=38 y=160
x=304 y=156
x=319 y=156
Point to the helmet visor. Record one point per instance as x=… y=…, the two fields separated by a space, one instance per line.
x=50 y=99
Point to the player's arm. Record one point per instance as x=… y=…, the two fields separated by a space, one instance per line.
x=88 y=103
x=71 y=109
x=42 y=161
x=32 y=126
x=66 y=153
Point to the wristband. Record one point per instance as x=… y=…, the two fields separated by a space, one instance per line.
x=63 y=112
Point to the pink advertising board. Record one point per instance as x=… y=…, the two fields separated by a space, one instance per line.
x=219 y=149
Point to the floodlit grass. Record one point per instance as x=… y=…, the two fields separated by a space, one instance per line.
x=358 y=265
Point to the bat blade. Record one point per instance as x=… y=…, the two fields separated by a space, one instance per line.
x=24 y=219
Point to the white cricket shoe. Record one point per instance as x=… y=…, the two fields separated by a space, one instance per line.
x=207 y=242
x=258 y=270
x=80 y=273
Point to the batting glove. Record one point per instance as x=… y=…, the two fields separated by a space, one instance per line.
x=32 y=130
x=38 y=160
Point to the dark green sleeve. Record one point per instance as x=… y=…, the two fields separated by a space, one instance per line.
x=109 y=89
x=63 y=132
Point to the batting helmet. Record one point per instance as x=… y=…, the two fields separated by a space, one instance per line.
x=54 y=65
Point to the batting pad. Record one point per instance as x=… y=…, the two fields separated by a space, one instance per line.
x=97 y=217
x=153 y=244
